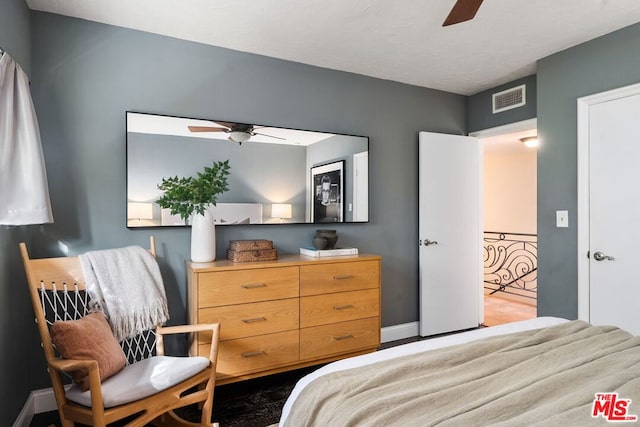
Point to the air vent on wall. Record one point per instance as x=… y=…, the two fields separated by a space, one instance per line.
x=510 y=98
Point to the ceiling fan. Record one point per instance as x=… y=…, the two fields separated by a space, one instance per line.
x=463 y=10
x=238 y=132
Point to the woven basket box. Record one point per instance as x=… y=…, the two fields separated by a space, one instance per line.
x=252 y=255
x=245 y=245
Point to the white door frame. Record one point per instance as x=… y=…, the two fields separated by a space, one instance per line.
x=520 y=126
x=584 y=104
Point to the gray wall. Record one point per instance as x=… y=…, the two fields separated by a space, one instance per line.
x=605 y=63
x=481 y=116
x=17 y=333
x=86 y=75
x=15 y=35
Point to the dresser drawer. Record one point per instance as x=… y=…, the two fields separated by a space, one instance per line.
x=254 y=354
x=338 y=307
x=246 y=320
x=337 y=338
x=338 y=277
x=243 y=286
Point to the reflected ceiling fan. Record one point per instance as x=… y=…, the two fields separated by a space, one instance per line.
x=463 y=10
x=238 y=132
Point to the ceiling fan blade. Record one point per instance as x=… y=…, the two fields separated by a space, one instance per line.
x=206 y=129
x=463 y=10
x=270 y=136
x=226 y=124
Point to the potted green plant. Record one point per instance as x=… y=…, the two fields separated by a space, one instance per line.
x=190 y=198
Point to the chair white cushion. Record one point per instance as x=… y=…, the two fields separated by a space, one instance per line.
x=142 y=379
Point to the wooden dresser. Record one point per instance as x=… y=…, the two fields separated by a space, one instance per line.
x=280 y=315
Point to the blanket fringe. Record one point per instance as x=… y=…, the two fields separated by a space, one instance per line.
x=138 y=321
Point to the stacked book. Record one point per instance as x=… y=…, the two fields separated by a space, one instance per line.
x=309 y=251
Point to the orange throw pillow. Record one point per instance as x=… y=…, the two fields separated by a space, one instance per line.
x=89 y=338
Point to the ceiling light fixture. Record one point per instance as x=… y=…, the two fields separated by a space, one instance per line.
x=530 y=141
x=239 y=137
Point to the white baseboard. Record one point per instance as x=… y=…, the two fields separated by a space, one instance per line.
x=26 y=415
x=398 y=332
x=45 y=400
x=39 y=401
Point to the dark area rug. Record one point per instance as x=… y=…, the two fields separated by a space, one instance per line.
x=251 y=403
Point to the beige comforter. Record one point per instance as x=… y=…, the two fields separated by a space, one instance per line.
x=543 y=377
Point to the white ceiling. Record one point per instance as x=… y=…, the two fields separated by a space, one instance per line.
x=400 y=40
x=178 y=126
x=507 y=142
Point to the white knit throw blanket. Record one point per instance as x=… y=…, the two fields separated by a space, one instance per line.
x=126 y=285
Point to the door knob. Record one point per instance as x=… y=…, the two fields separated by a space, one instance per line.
x=428 y=242
x=599 y=256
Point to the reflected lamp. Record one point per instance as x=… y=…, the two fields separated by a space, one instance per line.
x=281 y=210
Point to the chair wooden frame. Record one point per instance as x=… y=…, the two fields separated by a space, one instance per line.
x=157 y=409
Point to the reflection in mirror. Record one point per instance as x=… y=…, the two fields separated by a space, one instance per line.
x=278 y=175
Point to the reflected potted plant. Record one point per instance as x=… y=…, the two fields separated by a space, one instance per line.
x=190 y=198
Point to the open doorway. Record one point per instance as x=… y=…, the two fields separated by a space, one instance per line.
x=510 y=224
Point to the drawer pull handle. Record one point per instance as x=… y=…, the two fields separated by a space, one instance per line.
x=343 y=337
x=253 y=285
x=254 y=320
x=342 y=307
x=342 y=276
x=253 y=353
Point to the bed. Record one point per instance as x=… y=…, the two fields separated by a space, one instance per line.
x=223 y=214
x=237 y=213
x=544 y=371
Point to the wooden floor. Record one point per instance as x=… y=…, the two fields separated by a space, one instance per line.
x=499 y=310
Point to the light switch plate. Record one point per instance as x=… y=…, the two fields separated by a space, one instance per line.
x=562 y=218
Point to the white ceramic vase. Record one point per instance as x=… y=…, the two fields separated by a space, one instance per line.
x=203 y=237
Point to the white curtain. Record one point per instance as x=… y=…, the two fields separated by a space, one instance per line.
x=24 y=193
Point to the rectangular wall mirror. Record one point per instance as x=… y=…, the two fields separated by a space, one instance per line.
x=278 y=175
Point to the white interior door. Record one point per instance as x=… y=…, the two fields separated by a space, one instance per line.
x=614 y=211
x=361 y=186
x=450 y=227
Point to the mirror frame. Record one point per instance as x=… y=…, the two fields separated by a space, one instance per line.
x=143 y=212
